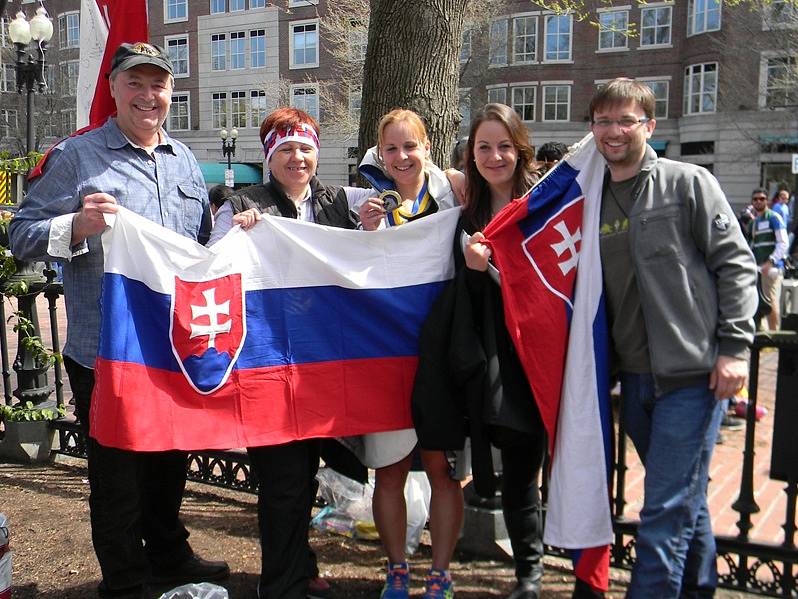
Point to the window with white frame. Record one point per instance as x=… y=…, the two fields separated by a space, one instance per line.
x=497 y=51
x=525 y=39
x=237 y=50
x=655 y=26
x=524 y=98
x=258 y=107
x=238 y=109
x=304 y=41
x=558 y=38
x=69 y=77
x=355 y=102
x=465 y=46
x=557 y=102
x=781 y=81
x=50 y=79
x=464 y=105
x=236 y=5
x=700 y=88
x=219 y=110
x=306 y=97
x=780 y=14
x=703 y=16
x=8 y=122
x=497 y=95
x=175 y=10
x=257 y=48
x=69 y=30
x=9 y=80
x=69 y=120
x=299 y=3
x=50 y=125
x=218 y=6
x=177 y=49
x=180 y=113
x=661 y=90
x=358 y=41
x=4 y=39
x=613 y=30
x=218 y=52
x=257 y=3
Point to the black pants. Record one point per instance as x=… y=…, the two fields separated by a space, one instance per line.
x=134 y=502
x=287 y=478
x=522 y=457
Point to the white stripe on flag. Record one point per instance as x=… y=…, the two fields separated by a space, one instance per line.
x=93 y=35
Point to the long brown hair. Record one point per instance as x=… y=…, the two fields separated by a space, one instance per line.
x=477 y=197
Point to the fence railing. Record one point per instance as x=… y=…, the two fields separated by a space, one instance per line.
x=746 y=564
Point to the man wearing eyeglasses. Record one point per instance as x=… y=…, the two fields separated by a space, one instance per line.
x=680 y=290
x=768 y=235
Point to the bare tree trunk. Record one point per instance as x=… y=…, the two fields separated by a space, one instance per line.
x=412 y=61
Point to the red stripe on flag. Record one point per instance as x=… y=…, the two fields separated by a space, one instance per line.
x=593 y=567
x=146 y=409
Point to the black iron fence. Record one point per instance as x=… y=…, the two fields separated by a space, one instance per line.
x=750 y=565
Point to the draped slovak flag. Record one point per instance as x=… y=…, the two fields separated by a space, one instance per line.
x=289 y=331
x=546 y=247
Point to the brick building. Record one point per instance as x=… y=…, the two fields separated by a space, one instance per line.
x=724 y=77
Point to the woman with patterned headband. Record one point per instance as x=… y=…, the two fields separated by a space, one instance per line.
x=287 y=472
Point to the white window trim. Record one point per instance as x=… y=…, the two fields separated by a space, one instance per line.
x=245 y=54
x=599 y=49
x=181 y=36
x=306 y=86
x=226 y=107
x=643 y=7
x=166 y=18
x=265 y=5
x=65 y=15
x=500 y=65
x=226 y=51
x=536 y=85
x=717 y=85
x=667 y=79
x=247 y=110
x=511 y=31
x=301 y=3
x=545 y=60
x=687 y=24
x=543 y=86
x=230 y=7
x=778 y=26
x=184 y=93
x=766 y=55
x=291 y=26
x=248 y=48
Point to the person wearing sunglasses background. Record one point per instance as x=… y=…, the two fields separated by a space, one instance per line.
x=768 y=237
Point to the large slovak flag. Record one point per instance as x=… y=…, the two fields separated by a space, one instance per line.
x=546 y=247
x=289 y=331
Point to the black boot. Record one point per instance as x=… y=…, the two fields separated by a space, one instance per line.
x=524 y=530
x=526 y=589
x=582 y=590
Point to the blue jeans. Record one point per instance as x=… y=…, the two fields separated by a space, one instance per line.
x=674 y=435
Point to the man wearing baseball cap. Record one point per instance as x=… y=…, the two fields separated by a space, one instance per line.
x=130 y=161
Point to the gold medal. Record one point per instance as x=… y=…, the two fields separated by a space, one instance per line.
x=390 y=200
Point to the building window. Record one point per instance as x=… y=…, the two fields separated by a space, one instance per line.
x=781 y=82
x=556 y=102
x=3 y=31
x=219 y=110
x=464 y=105
x=465 y=46
x=218 y=52
x=257 y=3
x=238 y=110
x=177 y=49
x=9 y=81
x=700 y=88
x=780 y=14
x=655 y=26
x=703 y=16
x=69 y=30
x=69 y=78
x=497 y=95
x=497 y=53
x=298 y=3
x=8 y=122
x=306 y=97
x=179 y=113
x=525 y=39
x=218 y=6
x=661 y=89
x=236 y=5
x=258 y=107
x=558 y=38
x=237 y=50
x=69 y=121
x=257 y=48
x=613 y=29
x=176 y=10
x=524 y=101
x=50 y=79
x=355 y=101
x=304 y=44
x=358 y=41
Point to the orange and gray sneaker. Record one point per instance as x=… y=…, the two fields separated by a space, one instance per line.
x=397 y=582
x=439 y=585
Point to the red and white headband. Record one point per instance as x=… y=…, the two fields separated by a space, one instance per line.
x=301 y=133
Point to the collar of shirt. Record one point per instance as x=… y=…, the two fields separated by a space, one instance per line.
x=115 y=139
x=304 y=208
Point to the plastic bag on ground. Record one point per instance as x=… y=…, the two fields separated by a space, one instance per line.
x=348 y=510
x=200 y=590
x=5 y=560
x=417 y=496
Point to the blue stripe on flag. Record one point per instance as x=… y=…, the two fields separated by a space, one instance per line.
x=549 y=196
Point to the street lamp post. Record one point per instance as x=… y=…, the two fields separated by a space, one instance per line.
x=228 y=151
x=30 y=39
